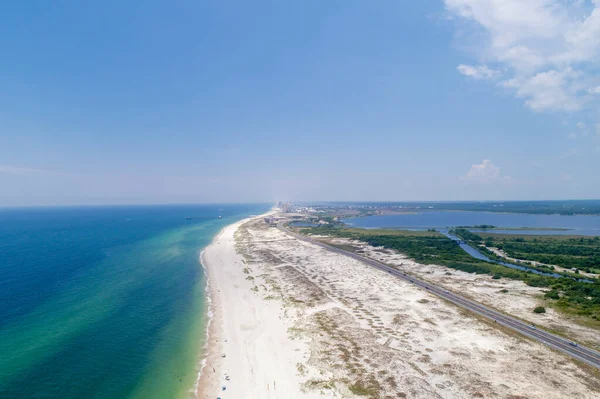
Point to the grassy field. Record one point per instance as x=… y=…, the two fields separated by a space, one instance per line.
x=583 y=253
x=541 y=237
x=569 y=252
x=387 y=232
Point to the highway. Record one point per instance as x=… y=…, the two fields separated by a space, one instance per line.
x=579 y=352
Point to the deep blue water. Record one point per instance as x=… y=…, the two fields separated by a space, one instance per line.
x=577 y=225
x=104 y=302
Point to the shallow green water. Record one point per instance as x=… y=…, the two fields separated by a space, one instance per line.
x=104 y=302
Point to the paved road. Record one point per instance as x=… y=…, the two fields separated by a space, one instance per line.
x=579 y=352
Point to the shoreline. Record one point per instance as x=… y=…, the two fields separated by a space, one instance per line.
x=211 y=349
x=207 y=332
x=211 y=370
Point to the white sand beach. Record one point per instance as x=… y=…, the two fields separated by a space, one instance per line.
x=249 y=341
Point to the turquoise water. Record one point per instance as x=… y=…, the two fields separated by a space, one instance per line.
x=104 y=302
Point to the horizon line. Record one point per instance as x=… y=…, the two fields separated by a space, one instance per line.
x=297 y=202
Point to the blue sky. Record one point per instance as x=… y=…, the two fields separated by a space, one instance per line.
x=210 y=101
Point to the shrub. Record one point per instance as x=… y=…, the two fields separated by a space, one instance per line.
x=537 y=282
x=552 y=294
x=497 y=276
x=539 y=309
x=358 y=388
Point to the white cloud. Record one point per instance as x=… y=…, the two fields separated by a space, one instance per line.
x=549 y=49
x=581 y=125
x=594 y=90
x=572 y=136
x=479 y=72
x=485 y=172
x=549 y=90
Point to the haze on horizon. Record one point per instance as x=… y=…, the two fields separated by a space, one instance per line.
x=188 y=102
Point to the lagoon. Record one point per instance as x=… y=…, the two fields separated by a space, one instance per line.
x=587 y=225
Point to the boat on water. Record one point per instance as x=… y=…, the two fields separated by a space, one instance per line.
x=188 y=218
x=220 y=217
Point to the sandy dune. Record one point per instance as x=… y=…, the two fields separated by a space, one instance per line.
x=297 y=321
x=510 y=296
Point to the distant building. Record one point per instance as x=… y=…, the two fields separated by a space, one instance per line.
x=271 y=220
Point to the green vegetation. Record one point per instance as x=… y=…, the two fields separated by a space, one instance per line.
x=328 y=219
x=569 y=252
x=552 y=294
x=428 y=248
x=539 y=309
x=326 y=229
x=301 y=369
x=362 y=389
x=466 y=235
x=486 y=239
x=565 y=294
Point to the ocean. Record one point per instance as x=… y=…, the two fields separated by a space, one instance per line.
x=105 y=302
